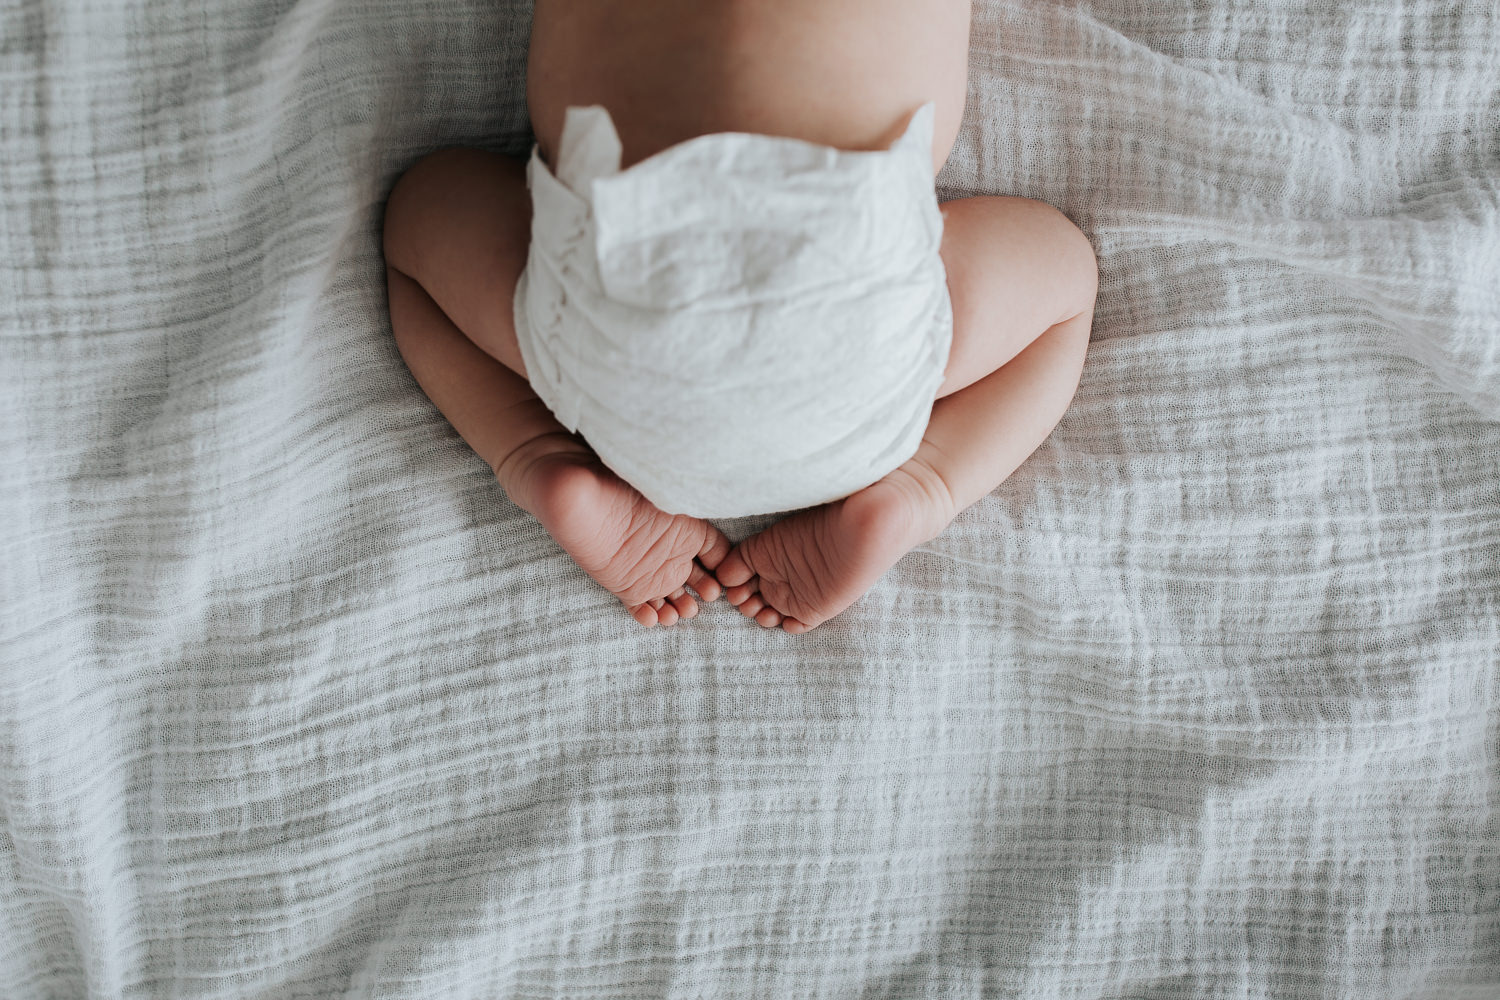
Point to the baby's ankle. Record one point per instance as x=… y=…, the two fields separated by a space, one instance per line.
x=517 y=469
x=929 y=500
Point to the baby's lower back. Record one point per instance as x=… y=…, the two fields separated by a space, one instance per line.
x=845 y=73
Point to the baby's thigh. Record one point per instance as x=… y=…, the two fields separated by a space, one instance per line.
x=1016 y=268
x=459 y=222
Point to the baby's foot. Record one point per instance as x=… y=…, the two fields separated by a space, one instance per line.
x=803 y=570
x=630 y=547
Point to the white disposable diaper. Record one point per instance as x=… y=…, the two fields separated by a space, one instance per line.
x=741 y=323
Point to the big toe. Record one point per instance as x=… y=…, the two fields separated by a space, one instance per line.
x=733 y=570
x=715 y=547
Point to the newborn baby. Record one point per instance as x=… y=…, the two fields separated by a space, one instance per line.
x=722 y=284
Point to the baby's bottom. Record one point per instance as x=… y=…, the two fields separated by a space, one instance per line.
x=1021 y=279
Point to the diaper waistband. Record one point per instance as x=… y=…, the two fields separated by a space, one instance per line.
x=723 y=219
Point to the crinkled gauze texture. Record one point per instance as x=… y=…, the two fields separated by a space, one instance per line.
x=739 y=324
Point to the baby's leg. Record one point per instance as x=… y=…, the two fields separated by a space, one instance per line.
x=457 y=229
x=1022 y=281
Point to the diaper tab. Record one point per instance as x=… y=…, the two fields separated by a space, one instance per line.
x=590 y=147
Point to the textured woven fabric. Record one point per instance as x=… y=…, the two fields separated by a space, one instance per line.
x=1204 y=701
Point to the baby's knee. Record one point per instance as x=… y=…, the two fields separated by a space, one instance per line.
x=435 y=168
x=1081 y=260
x=1048 y=234
x=1078 y=265
x=450 y=195
x=404 y=206
x=1053 y=227
x=417 y=194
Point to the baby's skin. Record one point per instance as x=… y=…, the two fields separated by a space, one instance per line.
x=844 y=73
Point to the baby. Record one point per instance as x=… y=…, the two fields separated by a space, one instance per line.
x=742 y=185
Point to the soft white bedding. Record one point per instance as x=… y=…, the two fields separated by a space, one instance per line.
x=1203 y=702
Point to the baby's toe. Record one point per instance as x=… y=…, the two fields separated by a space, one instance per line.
x=733 y=570
x=715 y=547
x=742 y=593
x=707 y=587
x=768 y=618
x=793 y=626
x=684 y=604
x=752 y=606
x=644 y=613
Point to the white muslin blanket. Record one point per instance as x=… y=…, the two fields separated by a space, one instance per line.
x=741 y=323
x=1202 y=703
